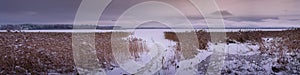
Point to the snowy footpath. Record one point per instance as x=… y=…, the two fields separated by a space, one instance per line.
x=240 y=58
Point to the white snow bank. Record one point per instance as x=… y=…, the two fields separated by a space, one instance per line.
x=236 y=48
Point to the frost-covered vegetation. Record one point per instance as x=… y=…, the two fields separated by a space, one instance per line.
x=246 y=52
x=253 y=52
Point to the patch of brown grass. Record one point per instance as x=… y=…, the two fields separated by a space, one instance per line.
x=203 y=37
x=291 y=37
x=41 y=53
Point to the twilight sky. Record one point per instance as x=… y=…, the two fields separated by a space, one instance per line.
x=237 y=13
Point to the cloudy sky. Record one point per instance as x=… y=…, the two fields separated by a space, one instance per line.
x=237 y=13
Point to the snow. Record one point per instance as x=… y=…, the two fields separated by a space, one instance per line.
x=242 y=49
x=188 y=66
x=144 y=58
x=242 y=61
x=154 y=35
x=117 y=71
x=236 y=48
x=241 y=58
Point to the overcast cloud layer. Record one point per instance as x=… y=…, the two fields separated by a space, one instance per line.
x=237 y=13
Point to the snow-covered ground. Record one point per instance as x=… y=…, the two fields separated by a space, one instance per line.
x=246 y=58
x=240 y=58
x=152 y=37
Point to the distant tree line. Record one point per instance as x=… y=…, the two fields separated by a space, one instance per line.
x=52 y=27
